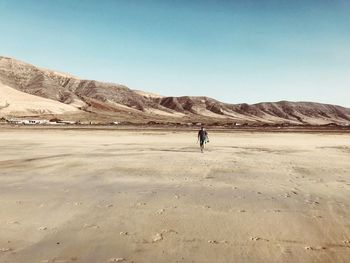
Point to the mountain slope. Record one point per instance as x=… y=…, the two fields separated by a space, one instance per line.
x=14 y=102
x=116 y=101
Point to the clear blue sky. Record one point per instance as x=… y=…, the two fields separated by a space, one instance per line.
x=235 y=51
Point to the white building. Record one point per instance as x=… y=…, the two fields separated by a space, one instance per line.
x=28 y=122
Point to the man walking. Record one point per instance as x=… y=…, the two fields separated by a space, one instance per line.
x=203 y=138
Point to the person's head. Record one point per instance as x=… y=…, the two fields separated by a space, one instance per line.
x=202 y=128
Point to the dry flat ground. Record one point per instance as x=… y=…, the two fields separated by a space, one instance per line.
x=150 y=196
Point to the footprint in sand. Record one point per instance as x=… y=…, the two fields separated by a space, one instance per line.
x=5 y=249
x=314 y=248
x=215 y=242
x=157 y=237
x=311 y=202
x=166 y=231
x=90 y=226
x=286 y=250
x=13 y=223
x=320 y=248
x=255 y=238
x=160 y=211
x=259 y=238
x=160 y=236
x=117 y=260
x=189 y=240
x=308 y=248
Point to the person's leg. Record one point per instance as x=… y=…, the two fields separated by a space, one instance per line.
x=202 y=145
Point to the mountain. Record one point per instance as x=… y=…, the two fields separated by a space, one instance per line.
x=14 y=102
x=26 y=90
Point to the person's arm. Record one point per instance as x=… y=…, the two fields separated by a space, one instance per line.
x=206 y=136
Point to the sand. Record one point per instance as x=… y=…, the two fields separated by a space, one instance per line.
x=151 y=196
x=14 y=102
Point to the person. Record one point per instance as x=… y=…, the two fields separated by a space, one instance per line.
x=203 y=138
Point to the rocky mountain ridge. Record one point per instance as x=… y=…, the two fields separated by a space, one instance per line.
x=90 y=98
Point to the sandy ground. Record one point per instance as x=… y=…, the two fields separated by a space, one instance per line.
x=146 y=196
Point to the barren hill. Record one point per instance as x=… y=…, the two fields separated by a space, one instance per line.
x=59 y=93
x=14 y=102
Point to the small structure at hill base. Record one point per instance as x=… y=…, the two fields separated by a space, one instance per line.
x=28 y=122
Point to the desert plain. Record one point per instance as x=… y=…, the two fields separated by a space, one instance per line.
x=73 y=195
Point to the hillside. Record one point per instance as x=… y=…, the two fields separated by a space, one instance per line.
x=14 y=102
x=58 y=93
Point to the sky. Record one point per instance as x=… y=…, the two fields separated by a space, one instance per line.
x=234 y=51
